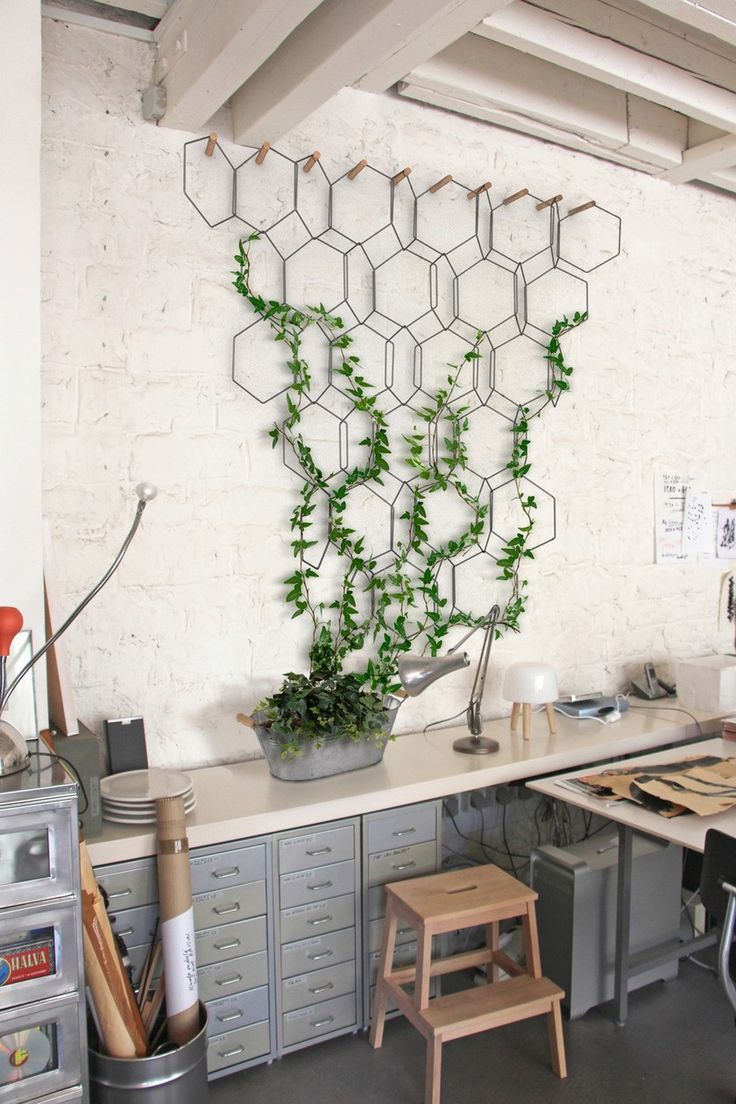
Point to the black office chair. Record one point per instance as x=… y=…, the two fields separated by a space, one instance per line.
x=718 y=894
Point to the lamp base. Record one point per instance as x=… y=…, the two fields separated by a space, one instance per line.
x=476 y=745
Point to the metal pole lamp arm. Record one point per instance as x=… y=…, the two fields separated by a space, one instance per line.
x=418 y=672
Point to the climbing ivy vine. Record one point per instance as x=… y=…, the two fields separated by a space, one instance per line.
x=407 y=609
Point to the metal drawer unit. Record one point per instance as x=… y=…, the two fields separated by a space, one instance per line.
x=318 y=933
x=397 y=843
x=231 y=885
x=43 y=1018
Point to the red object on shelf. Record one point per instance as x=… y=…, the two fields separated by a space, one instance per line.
x=11 y=622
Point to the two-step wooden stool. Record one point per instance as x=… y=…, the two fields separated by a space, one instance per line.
x=441 y=903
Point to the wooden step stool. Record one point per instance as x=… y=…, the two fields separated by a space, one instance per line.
x=440 y=903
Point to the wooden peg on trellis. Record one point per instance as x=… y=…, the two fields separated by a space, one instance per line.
x=517 y=195
x=548 y=202
x=401 y=176
x=440 y=184
x=261 y=155
x=357 y=169
x=582 y=207
x=211 y=146
x=311 y=161
x=480 y=190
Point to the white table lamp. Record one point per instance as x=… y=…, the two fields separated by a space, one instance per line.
x=528 y=684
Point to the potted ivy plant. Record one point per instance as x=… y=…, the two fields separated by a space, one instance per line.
x=339 y=715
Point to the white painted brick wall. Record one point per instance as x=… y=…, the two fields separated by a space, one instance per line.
x=138 y=319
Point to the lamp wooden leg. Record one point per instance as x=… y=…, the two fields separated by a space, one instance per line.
x=549 y=708
x=514 y=716
x=527 y=721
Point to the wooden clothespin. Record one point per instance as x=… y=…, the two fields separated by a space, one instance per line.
x=548 y=202
x=244 y=719
x=582 y=207
x=211 y=146
x=311 y=161
x=440 y=184
x=261 y=155
x=479 y=191
x=517 y=195
x=357 y=169
x=401 y=176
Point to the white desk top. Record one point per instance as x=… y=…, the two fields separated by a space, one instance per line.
x=687 y=830
x=242 y=800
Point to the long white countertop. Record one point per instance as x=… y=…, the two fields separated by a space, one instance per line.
x=242 y=800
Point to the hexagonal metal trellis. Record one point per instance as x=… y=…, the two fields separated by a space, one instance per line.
x=415 y=277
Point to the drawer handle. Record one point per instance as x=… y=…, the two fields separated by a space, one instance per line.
x=320 y=956
x=226 y=873
x=230 y=981
x=230 y=1017
x=226 y=911
x=125 y=931
x=227 y=946
x=320 y=885
x=320 y=851
x=322 y=920
x=231 y=1053
x=404 y=832
x=322 y=988
x=404 y=931
x=403 y=866
x=322 y=1023
x=119 y=893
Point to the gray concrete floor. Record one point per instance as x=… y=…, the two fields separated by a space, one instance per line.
x=678 y=1047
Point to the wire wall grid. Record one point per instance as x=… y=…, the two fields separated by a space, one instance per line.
x=414 y=275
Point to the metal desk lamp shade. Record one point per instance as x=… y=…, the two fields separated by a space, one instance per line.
x=418 y=672
x=14 y=754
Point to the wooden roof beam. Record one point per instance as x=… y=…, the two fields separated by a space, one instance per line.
x=207 y=50
x=547 y=37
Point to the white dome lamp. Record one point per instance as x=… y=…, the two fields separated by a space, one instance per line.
x=528 y=684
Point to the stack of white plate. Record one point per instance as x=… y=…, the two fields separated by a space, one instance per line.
x=130 y=798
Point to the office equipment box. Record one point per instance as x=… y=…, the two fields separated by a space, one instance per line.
x=576 y=912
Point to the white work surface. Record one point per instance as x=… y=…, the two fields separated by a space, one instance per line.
x=242 y=800
x=687 y=830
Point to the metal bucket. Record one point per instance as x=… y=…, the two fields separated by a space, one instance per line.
x=178 y=1077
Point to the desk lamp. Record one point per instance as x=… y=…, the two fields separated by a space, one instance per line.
x=418 y=672
x=14 y=755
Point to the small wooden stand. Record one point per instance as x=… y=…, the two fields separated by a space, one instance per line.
x=526 y=712
x=445 y=902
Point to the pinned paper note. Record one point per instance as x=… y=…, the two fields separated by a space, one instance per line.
x=726 y=535
x=669 y=504
x=699 y=519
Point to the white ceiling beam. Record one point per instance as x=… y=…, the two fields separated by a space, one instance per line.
x=341 y=43
x=715 y=17
x=549 y=38
x=156 y=9
x=725 y=179
x=513 y=121
x=207 y=50
x=486 y=74
x=667 y=43
x=710 y=157
x=440 y=27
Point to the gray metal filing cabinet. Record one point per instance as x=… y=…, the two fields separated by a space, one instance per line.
x=318 y=933
x=234 y=942
x=43 y=1026
x=397 y=843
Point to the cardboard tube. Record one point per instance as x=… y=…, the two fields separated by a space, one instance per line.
x=177 y=921
x=121 y=1028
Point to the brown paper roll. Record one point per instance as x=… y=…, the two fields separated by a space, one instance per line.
x=118 y=1016
x=177 y=921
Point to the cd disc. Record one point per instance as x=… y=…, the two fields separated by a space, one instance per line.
x=23 y=1054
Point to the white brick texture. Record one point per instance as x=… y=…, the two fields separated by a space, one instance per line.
x=138 y=320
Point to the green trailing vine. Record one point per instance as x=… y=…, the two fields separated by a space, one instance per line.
x=408 y=611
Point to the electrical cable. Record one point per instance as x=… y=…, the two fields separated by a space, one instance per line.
x=73 y=772
x=445 y=720
x=671 y=709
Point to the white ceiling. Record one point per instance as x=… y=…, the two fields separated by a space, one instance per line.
x=646 y=83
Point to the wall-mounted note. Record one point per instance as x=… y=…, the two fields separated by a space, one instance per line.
x=669 y=511
x=699 y=520
x=726 y=535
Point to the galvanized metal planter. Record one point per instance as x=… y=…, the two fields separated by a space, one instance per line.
x=335 y=756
